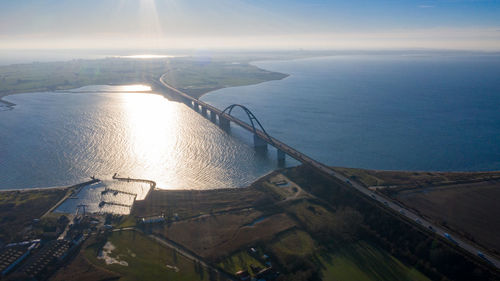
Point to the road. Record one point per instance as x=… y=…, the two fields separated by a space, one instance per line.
x=414 y=217
x=292 y=152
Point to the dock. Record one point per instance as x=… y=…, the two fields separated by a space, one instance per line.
x=110 y=190
x=150 y=182
x=114 y=204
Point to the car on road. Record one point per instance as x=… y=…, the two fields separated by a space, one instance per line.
x=448 y=236
x=418 y=220
x=481 y=255
x=373 y=196
x=385 y=202
x=431 y=228
x=401 y=211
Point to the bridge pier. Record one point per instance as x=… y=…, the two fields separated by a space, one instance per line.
x=196 y=107
x=224 y=123
x=213 y=116
x=281 y=156
x=203 y=111
x=259 y=143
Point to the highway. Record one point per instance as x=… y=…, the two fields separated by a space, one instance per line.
x=421 y=221
x=467 y=246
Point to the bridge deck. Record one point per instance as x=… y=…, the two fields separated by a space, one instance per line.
x=471 y=248
x=292 y=152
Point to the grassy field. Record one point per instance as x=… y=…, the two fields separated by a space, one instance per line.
x=201 y=78
x=363 y=262
x=146 y=259
x=188 y=74
x=216 y=236
x=318 y=220
x=189 y=203
x=239 y=261
x=466 y=202
x=313 y=217
x=470 y=209
x=51 y=76
x=79 y=269
x=19 y=208
x=413 y=179
x=295 y=243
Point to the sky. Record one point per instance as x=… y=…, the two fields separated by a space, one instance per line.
x=250 y=24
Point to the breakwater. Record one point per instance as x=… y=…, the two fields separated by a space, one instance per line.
x=151 y=183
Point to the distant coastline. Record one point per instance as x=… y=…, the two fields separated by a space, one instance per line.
x=187 y=77
x=200 y=95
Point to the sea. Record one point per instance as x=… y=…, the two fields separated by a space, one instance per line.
x=388 y=112
x=396 y=112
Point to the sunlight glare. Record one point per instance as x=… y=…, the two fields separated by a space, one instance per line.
x=133 y=88
x=145 y=56
x=153 y=127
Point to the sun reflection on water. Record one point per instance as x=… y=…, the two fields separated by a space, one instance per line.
x=133 y=88
x=153 y=129
x=137 y=135
x=145 y=56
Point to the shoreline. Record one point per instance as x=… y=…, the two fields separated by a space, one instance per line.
x=199 y=96
x=70 y=88
x=202 y=93
x=8 y=104
x=286 y=75
x=495 y=173
x=24 y=189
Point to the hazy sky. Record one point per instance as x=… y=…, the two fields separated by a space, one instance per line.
x=263 y=24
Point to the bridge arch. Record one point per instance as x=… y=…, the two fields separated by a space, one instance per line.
x=253 y=120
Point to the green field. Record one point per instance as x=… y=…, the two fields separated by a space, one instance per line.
x=204 y=77
x=363 y=262
x=19 y=208
x=411 y=179
x=187 y=74
x=146 y=259
x=295 y=243
x=239 y=261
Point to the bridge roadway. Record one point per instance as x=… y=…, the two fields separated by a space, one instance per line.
x=404 y=212
x=272 y=141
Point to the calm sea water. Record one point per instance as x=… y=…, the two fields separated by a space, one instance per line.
x=385 y=112
x=382 y=112
x=52 y=139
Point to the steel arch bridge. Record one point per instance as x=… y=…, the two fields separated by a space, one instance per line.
x=253 y=120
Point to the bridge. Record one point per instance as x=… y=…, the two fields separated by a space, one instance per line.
x=223 y=119
x=262 y=139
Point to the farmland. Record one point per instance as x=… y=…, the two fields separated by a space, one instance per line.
x=18 y=209
x=466 y=208
x=364 y=262
x=187 y=74
x=144 y=259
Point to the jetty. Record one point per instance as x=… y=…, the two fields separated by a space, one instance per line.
x=150 y=182
x=116 y=191
x=102 y=203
